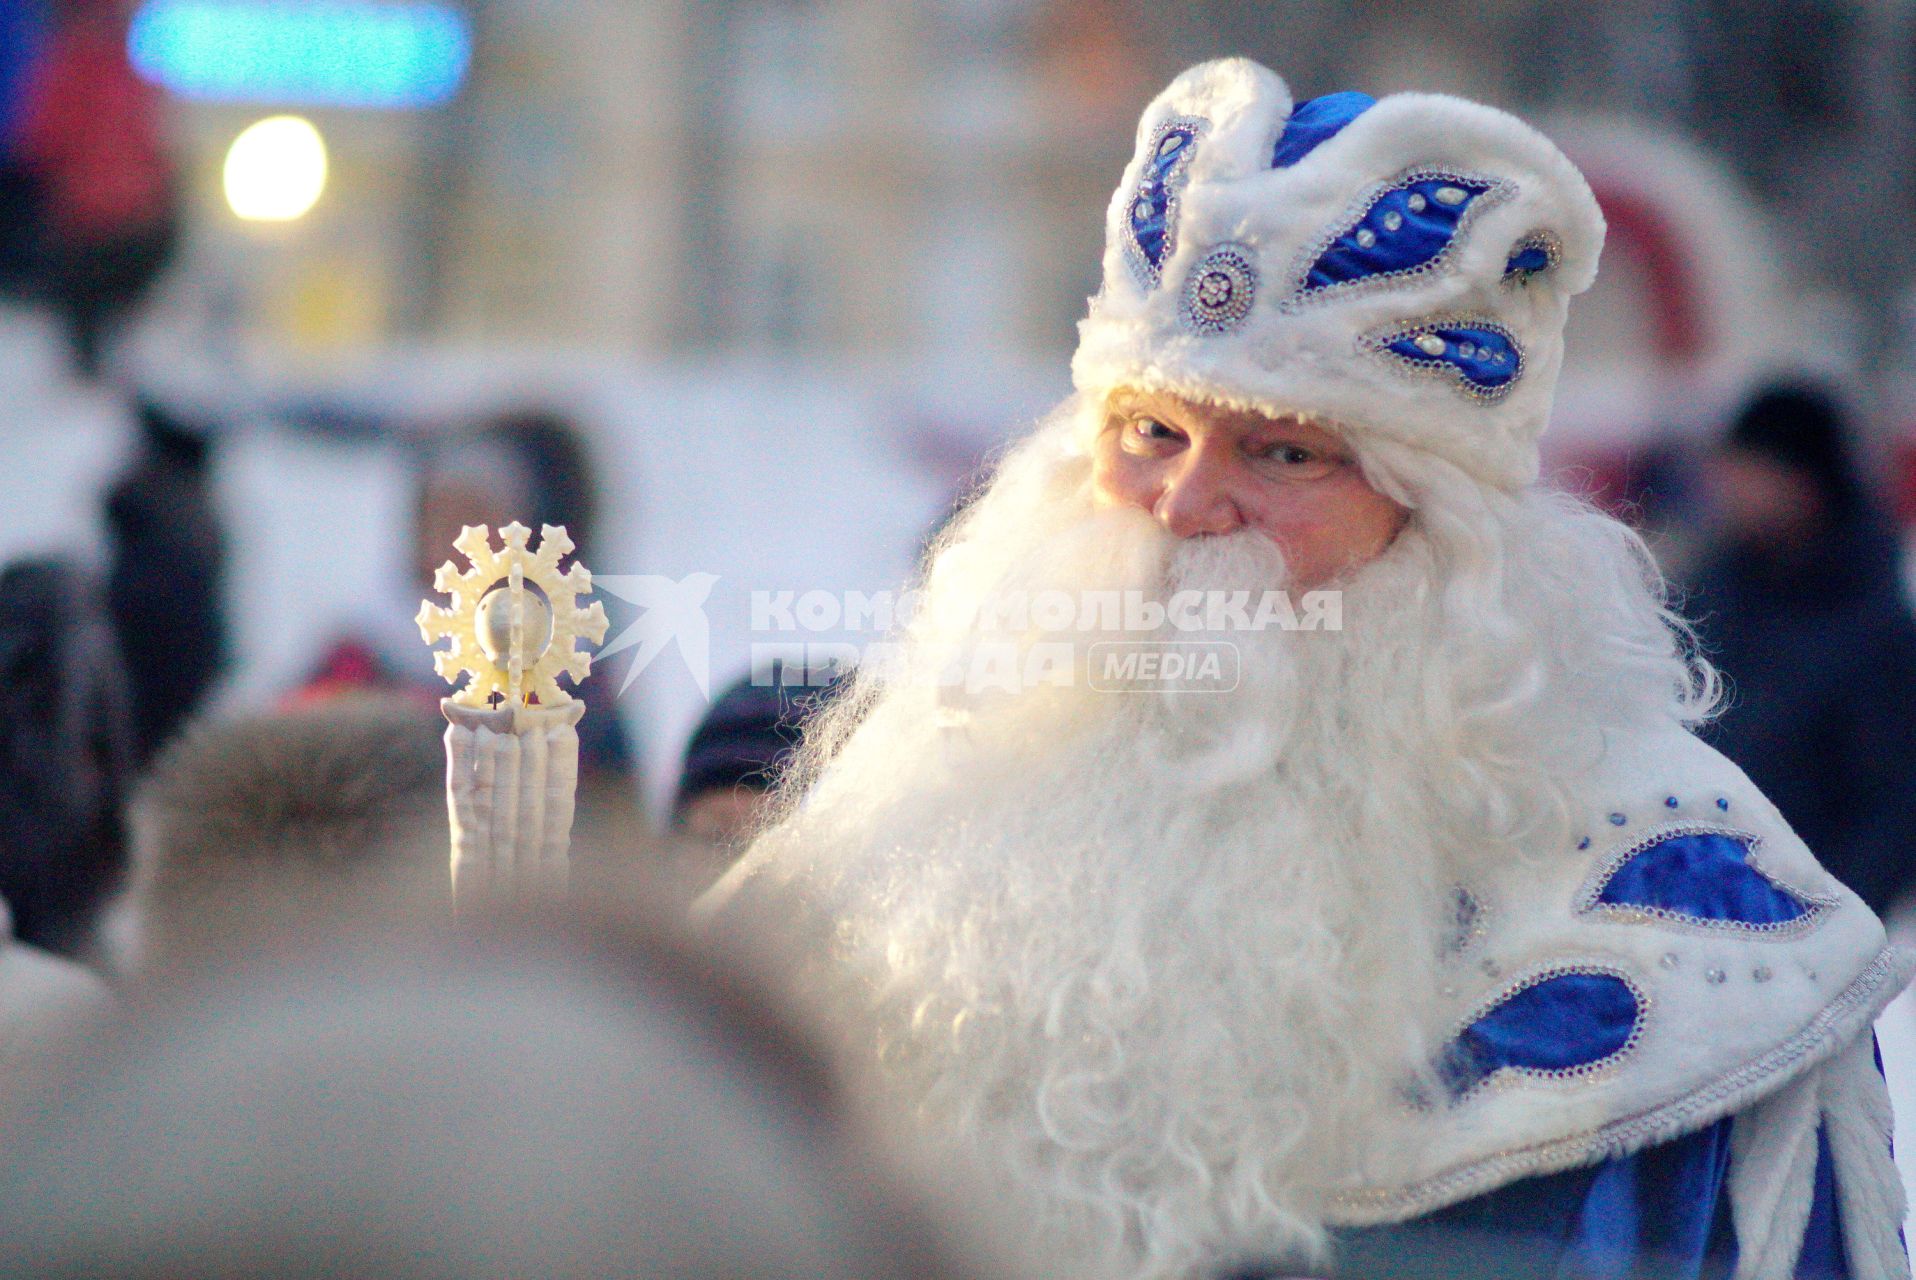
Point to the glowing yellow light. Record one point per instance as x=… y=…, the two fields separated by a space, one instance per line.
x=276 y=170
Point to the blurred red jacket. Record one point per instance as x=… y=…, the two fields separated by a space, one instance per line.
x=90 y=130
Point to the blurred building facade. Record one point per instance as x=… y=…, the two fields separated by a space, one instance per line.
x=717 y=219
x=854 y=178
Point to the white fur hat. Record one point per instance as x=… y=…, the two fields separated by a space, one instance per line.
x=1401 y=267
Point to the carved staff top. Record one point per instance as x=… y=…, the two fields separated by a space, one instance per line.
x=514 y=620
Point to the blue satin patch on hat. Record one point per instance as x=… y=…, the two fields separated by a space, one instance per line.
x=1405 y=229
x=1150 y=212
x=1563 y=1025
x=1316 y=122
x=1530 y=260
x=1702 y=876
x=1487 y=360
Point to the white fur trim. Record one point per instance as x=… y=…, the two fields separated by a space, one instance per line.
x=1773 y=1170
x=1308 y=358
x=1773 y=1178
x=1869 y=1190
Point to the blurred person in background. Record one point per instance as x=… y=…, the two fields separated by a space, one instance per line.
x=736 y=754
x=1434 y=919
x=89 y=148
x=1800 y=604
x=570 y=1103
x=65 y=764
x=22 y=34
x=165 y=585
x=529 y=466
x=258 y=831
x=66 y=755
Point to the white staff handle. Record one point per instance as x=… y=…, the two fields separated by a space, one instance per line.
x=511 y=775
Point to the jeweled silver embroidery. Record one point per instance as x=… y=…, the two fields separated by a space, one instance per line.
x=1584 y=1072
x=1149 y=273
x=1300 y=292
x=1378 y=342
x=1470 y=923
x=1815 y=906
x=1219 y=291
x=1691 y=1111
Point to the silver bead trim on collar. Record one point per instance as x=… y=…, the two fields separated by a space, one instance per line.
x=1147 y=272
x=1699 y=1107
x=1377 y=342
x=1816 y=906
x=1300 y=294
x=1219 y=291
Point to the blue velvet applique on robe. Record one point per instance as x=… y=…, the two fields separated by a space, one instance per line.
x=1558 y=1024
x=1704 y=876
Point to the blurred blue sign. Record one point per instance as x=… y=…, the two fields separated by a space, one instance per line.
x=341 y=53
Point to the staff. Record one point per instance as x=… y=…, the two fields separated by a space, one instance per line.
x=512 y=746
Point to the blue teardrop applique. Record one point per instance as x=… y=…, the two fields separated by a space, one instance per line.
x=1564 y=1024
x=1532 y=256
x=1480 y=357
x=1408 y=228
x=1150 y=219
x=1699 y=877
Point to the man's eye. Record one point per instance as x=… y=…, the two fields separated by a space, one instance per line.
x=1298 y=461
x=1149 y=436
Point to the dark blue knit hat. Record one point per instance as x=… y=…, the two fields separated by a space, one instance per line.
x=751 y=731
x=1803 y=426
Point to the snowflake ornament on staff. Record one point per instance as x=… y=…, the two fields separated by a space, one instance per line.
x=511 y=768
x=514 y=618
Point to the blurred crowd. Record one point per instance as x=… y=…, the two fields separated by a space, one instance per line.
x=241 y=1032
x=89 y=213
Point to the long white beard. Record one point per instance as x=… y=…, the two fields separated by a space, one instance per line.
x=1162 y=962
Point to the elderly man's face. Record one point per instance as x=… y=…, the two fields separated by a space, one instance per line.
x=1202 y=469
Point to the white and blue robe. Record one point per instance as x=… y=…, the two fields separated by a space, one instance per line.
x=1661 y=1059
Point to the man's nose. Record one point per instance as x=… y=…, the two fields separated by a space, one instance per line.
x=1199 y=496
